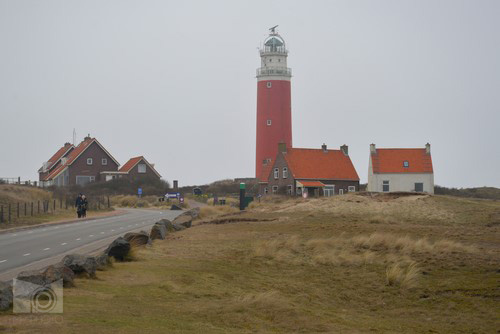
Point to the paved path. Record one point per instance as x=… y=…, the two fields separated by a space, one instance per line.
x=39 y=246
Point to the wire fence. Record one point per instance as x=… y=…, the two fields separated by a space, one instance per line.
x=14 y=212
x=18 y=181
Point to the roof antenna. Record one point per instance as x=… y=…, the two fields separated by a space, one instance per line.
x=273 y=29
x=74 y=136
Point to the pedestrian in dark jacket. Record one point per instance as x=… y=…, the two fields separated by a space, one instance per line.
x=85 y=205
x=78 y=205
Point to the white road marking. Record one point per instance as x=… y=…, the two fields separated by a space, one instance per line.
x=14 y=235
x=112 y=230
x=64 y=243
x=91 y=235
x=102 y=232
x=27 y=254
x=56 y=227
x=30 y=231
x=78 y=239
x=129 y=226
x=121 y=228
x=46 y=249
x=2 y=261
x=43 y=230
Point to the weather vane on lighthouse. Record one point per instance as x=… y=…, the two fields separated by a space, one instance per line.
x=273 y=29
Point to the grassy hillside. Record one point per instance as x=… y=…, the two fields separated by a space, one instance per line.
x=350 y=264
x=12 y=194
x=481 y=192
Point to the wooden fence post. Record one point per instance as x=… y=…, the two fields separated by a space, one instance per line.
x=38 y=207
x=108 y=203
x=1 y=213
x=54 y=210
x=10 y=218
x=60 y=202
x=31 y=209
x=25 y=208
x=17 y=209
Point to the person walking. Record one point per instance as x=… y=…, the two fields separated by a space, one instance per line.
x=78 y=205
x=85 y=205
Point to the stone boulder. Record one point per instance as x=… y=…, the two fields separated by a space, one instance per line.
x=137 y=239
x=158 y=231
x=175 y=207
x=118 y=249
x=168 y=225
x=179 y=227
x=48 y=275
x=194 y=213
x=81 y=264
x=184 y=220
x=103 y=261
x=5 y=295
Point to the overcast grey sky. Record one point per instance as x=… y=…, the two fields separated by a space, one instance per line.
x=175 y=81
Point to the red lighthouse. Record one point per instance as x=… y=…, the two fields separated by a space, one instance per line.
x=274 y=112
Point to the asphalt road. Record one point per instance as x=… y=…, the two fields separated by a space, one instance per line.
x=23 y=250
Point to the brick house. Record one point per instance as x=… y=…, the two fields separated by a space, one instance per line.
x=77 y=165
x=139 y=167
x=309 y=172
x=400 y=169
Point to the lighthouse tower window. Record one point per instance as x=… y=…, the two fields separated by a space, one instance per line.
x=269 y=84
x=269 y=122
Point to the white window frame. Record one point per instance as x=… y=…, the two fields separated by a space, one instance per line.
x=266 y=191
x=351 y=189
x=92 y=178
x=285 y=172
x=289 y=189
x=87 y=177
x=275 y=189
x=104 y=161
x=140 y=170
x=341 y=191
x=90 y=161
x=386 y=183
x=269 y=122
x=329 y=190
x=269 y=84
x=276 y=173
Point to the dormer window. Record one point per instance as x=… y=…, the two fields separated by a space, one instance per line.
x=141 y=168
x=406 y=164
x=89 y=161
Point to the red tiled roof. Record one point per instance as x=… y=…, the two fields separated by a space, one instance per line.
x=127 y=167
x=130 y=164
x=264 y=174
x=307 y=163
x=55 y=172
x=315 y=184
x=390 y=160
x=60 y=153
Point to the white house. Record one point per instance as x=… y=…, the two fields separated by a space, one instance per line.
x=400 y=169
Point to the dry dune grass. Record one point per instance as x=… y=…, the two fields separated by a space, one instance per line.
x=402 y=275
x=20 y=194
x=212 y=211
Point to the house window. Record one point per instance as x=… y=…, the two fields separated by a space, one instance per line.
x=104 y=161
x=285 y=172
x=289 y=190
x=266 y=191
x=269 y=84
x=341 y=191
x=385 y=186
x=419 y=187
x=275 y=189
x=269 y=122
x=351 y=189
x=141 y=168
x=276 y=173
x=82 y=180
x=406 y=164
x=329 y=190
x=92 y=178
x=89 y=161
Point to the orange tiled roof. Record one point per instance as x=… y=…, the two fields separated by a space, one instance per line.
x=315 y=184
x=60 y=153
x=390 y=160
x=130 y=164
x=307 y=163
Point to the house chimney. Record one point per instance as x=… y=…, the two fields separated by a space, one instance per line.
x=428 y=148
x=67 y=144
x=323 y=147
x=87 y=138
x=345 y=149
x=373 y=149
x=281 y=147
